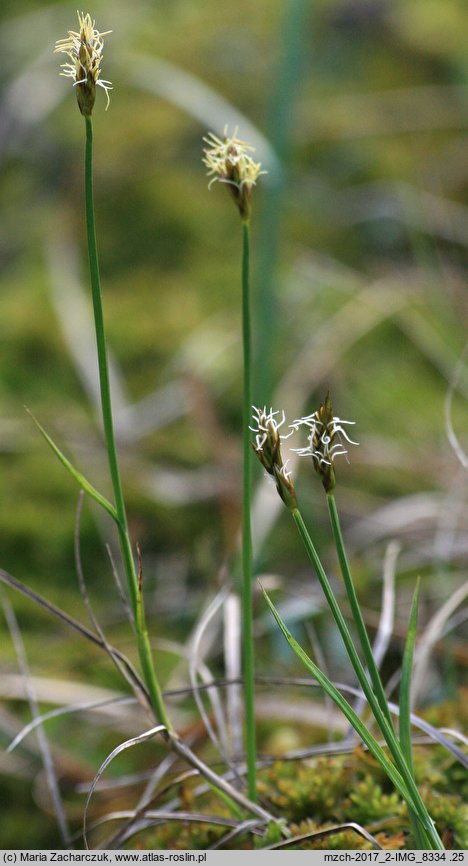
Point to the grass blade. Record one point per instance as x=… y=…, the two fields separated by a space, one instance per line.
x=43 y=742
x=376 y=704
x=405 y=701
x=320 y=834
x=345 y=708
x=356 y=610
x=131 y=675
x=82 y=481
x=405 y=685
x=134 y=741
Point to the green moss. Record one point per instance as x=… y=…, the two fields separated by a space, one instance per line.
x=315 y=795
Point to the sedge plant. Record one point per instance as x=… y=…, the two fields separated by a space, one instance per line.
x=326 y=437
x=229 y=161
x=84 y=51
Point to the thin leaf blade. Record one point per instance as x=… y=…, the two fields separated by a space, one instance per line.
x=365 y=735
x=405 y=684
x=82 y=481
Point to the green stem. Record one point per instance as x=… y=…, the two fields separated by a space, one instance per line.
x=247 y=595
x=356 y=610
x=404 y=719
x=366 y=646
x=101 y=337
x=427 y=825
x=136 y=597
x=293 y=34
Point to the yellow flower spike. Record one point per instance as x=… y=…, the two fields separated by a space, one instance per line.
x=84 y=48
x=228 y=160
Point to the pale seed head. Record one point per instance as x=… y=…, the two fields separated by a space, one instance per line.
x=84 y=48
x=325 y=441
x=228 y=159
x=267 y=447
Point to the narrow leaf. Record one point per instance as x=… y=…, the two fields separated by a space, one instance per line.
x=320 y=834
x=82 y=481
x=132 y=676
x=405 y=704
x=347 y=710
x=405 y=685
x=62 y=711
x=134 y=741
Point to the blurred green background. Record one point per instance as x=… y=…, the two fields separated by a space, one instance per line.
x=358 y=111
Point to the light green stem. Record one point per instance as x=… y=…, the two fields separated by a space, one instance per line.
x=293 y=34
x=426 y=823
x=356 y=610
x=247 y=595
x=404 y=719
x=365 y=644
x=136 y=595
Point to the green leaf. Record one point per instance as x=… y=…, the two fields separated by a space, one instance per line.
x=356 y=611
x=405 y=685
x=405 y=703
x=82 y=481
x=346 y=709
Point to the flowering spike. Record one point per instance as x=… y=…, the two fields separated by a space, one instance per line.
x=325 y=441
x=229 y=161
x=267 y=447
x=85 y=52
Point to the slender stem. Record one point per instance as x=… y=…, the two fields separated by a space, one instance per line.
x=247 y=596
x=292 y=37
x=366 y=647
x=404 y=719
x=356 y=610
x=136 y=597
x=101 y=335
x=427 y=825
